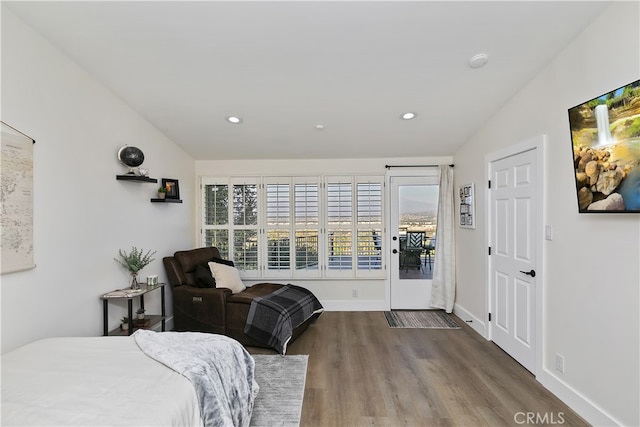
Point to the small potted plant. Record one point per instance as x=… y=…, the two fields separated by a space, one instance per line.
x=162 y=192
x=140 y=313
x=135 y=261
x=125 y=323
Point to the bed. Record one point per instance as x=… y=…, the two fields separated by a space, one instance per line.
x=110 y=381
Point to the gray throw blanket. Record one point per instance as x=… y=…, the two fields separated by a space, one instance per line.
x=273 y=318
x=220 y=369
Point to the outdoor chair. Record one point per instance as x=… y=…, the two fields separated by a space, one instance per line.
x=430 y=249
x=414 y=249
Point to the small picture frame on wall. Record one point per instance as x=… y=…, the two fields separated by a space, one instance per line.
x=173 y=190
x=466 y=194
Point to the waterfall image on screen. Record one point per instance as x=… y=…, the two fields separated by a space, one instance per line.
x=605 y=137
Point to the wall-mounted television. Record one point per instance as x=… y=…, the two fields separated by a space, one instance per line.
x=605 y=137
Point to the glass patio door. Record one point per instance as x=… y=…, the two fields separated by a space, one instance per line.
x=414 y=207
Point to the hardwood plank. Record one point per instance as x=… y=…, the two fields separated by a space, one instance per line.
x=363 y=373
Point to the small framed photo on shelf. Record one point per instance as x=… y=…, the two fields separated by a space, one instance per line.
x=466 y=194
x=173 y=191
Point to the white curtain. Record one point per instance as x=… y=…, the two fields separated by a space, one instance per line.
x=443 y=289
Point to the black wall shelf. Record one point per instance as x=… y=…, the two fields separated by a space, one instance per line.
x=166 y=201
x=131 y=177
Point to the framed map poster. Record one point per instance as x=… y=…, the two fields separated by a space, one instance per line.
x=467 y=206
x=16 y=194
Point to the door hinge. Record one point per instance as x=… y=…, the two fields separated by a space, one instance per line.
x=489 y=250
x=489 y=183
x=489 y=317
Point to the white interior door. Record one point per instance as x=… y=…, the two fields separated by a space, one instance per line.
x=413 y=209
x=514 y=234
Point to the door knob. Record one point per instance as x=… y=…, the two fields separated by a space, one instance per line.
x=531 y=273
x=395 y=251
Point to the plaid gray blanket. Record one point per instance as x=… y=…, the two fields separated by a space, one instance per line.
x=273 y=318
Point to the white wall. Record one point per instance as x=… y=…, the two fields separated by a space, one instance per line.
x=334 y=294
x=591 y=303
x=82 y=215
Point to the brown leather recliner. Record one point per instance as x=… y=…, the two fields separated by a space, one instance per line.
x=213 y=310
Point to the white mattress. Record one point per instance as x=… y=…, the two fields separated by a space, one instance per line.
x=96 y=381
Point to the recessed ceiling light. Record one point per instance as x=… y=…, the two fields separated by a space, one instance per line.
x=479 y=60
x=408 y=116
x=320 y=127
x=235 y=120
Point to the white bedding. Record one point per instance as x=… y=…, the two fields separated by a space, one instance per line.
x=96 y=381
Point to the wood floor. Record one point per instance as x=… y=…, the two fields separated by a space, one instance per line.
x=363 y=373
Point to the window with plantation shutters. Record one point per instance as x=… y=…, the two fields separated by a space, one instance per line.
x=292 y=227
x=354 y=226
x=245 y=225
x=340 y=222
x=369 y=225
x=231 y=221
x=278 y=227
x=216 y=217
x=296 y=226
x=306 y=227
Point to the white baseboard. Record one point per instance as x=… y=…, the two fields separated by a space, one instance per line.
x=475 y=323
x=355 y=305
x=576 y=401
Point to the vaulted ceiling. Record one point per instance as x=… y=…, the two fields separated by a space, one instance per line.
x=311 y=79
